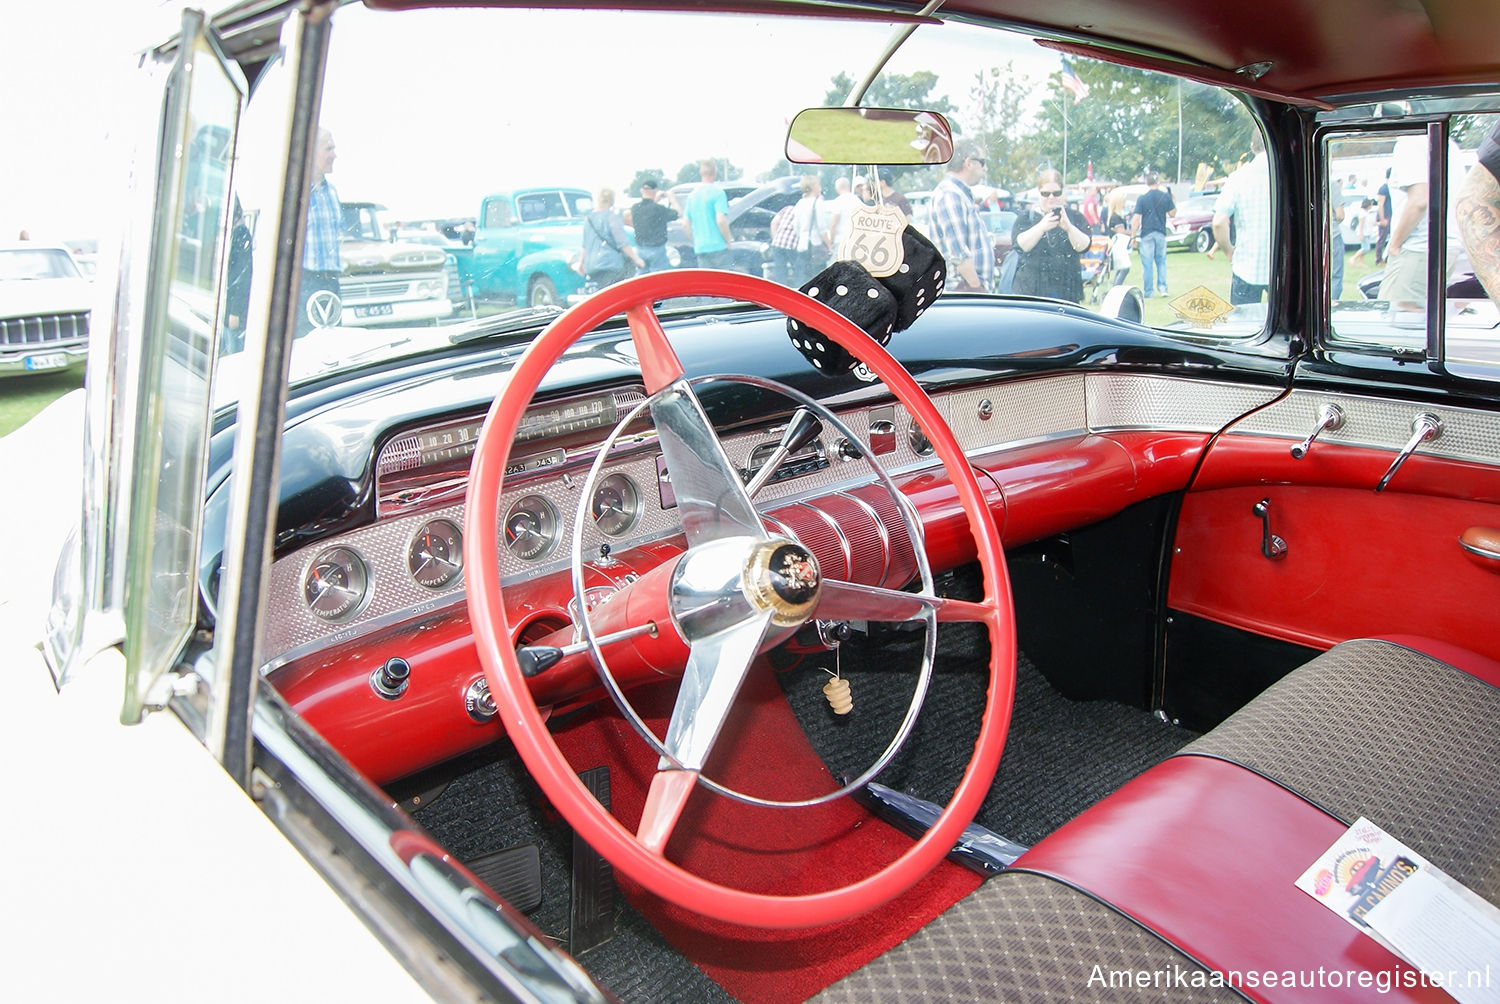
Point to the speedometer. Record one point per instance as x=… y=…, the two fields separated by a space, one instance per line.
x=616 y=505
x=531 y=528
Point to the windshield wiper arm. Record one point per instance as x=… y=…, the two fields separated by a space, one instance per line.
x=506 y=324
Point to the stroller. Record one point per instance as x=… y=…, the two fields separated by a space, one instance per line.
x=1098 y=268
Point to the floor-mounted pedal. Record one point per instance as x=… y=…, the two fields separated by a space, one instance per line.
x=592 y=913
x=515 y=874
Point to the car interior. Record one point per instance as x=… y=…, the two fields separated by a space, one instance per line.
x=721 y=645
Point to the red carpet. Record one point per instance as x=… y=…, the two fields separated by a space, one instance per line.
x=763 y=752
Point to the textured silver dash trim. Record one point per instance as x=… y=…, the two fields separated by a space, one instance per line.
x=1123 y=401
x=1380 y=423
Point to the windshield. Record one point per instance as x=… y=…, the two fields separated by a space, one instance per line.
x=40 y=263
x=558 y=160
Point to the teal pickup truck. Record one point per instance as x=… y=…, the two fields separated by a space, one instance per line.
x=523 y=243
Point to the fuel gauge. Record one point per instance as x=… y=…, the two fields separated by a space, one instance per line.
x=435 y=555
x=616 y=505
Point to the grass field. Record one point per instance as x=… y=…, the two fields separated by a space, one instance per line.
x=1187 y=269
x=22 y=397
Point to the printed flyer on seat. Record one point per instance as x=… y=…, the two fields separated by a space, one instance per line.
x=1422 y=915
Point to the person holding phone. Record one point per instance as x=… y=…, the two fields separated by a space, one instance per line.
x=1049 y=240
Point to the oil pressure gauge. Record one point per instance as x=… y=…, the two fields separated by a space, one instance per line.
x=531 y=528
x=616 y=505
x=336 y=584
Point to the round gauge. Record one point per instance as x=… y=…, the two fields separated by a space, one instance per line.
x=435 y=555
x=616 y=505
x=531 y=528
x=336 y=584
x=919 y=441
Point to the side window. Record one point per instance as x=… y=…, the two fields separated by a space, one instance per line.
x=1384 y=252
x=496 y=214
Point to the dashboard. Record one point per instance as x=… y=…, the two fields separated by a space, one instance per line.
x=408 y=563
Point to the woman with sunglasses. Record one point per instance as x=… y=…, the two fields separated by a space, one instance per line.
x=1049 y=240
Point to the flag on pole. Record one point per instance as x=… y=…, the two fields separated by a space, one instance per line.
x=1070 y=80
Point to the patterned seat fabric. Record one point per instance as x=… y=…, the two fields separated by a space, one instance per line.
x=1371 y=728
x=1380 y=730
x=1018 y=938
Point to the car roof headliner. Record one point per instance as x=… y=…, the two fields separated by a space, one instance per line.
x=1306 y=51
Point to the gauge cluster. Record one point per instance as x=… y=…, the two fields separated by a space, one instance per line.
x=410 y=560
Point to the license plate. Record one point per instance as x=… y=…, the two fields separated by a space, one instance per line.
x=50 y=361
x=378 y=310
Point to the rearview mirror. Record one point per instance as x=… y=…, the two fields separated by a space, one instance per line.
x=869 y=136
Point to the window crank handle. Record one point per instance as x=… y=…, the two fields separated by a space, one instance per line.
x=1423 y=428
x=1330 y=416
x=1272 y=546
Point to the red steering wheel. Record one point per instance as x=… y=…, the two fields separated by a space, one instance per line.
x=770 y=586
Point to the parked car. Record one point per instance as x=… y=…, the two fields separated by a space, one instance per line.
x=654 y=650
x=1000 y=223
x=750 y=211
x=1192 y=227
x=44 y=309
x=524 y=243
x=386 y=280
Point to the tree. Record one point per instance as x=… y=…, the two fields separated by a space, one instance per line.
x=689 y=171
x=1128 y=124
x=655 y=174
x=999 y=98
x=893 y=90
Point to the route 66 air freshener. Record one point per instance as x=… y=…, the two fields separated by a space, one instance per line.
x=875 y=239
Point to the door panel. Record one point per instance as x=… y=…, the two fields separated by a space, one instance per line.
x=1356 y=563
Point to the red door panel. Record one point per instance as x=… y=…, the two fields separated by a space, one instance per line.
x=1357 y=563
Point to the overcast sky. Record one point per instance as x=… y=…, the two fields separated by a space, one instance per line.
x=66 y=66
x=62 y=63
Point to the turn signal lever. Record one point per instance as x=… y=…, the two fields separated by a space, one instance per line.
x=1423 y=428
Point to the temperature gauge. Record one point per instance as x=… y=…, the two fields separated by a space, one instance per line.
x=616 y=505
x=435 y=555
x=336 y=584
x=531 y=528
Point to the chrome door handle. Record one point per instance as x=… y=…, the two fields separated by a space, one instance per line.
x=1423 y=428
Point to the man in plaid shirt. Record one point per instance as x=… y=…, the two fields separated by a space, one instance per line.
x=321 y=265
x=957 y=228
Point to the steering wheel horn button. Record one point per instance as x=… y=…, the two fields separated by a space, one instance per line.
x=783 y=577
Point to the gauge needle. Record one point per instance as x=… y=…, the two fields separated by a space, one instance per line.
x=325 y=586
x=428 y=556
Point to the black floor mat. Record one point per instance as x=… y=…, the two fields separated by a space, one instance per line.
x=493 y=803
x=1060 y=756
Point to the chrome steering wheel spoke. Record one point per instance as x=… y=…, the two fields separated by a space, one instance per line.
x=710 y=495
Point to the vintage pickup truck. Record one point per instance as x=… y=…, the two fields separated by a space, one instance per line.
x=387 y=281
x=523 y=242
